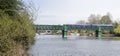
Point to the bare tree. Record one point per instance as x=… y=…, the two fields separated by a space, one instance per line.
x=81 y=22
x=93 y=19
x=33 y=9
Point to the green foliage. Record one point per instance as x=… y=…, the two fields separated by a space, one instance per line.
x=117 y=30
x=16 y=29
x=11 y=7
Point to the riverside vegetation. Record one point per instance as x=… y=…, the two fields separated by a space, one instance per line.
x=16 y=28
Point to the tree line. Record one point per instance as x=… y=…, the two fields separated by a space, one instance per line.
x=105 y=19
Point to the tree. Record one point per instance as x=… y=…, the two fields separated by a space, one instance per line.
x=81 y=22
x=11 y=7
x=93 y=19
x=16 y=28
x=115 y=24
x=117 y=30
x=106 y=19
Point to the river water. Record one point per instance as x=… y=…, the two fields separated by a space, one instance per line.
x=54 y=45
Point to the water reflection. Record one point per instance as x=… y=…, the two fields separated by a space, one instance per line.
x=54 y=45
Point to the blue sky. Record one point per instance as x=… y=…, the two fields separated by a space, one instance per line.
x=71 y=11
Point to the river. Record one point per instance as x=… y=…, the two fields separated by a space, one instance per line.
x=54 y=45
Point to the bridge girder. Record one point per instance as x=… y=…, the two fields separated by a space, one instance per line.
x=75 y=27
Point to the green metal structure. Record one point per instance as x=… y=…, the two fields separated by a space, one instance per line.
x=98 y=28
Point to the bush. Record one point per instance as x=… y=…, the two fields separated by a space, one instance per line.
x=16 y=34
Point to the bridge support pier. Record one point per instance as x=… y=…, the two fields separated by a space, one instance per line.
x=98 y=33
x=64 y=33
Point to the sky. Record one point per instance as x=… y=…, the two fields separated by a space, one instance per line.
x=70 y=11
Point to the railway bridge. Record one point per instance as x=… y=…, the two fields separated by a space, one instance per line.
x=98 y=28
